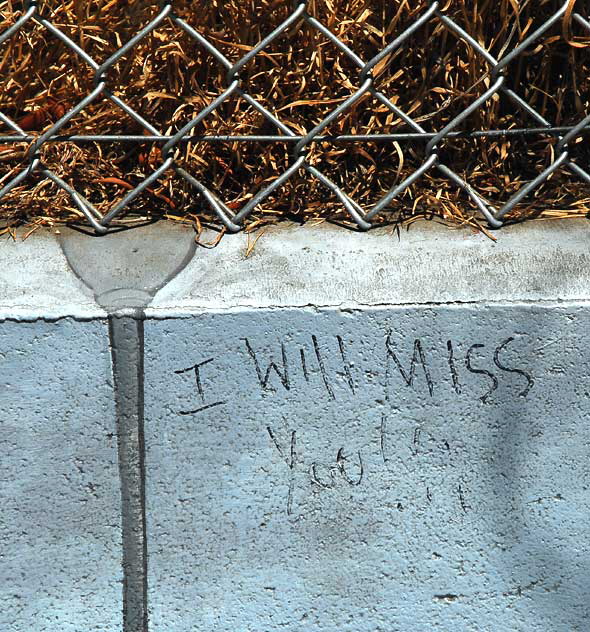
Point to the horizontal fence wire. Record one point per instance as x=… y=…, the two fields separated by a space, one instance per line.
x=429 y=143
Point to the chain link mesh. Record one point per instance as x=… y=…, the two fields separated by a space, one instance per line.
x=233 y=219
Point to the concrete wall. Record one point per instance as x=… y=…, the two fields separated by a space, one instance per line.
x=340 y=432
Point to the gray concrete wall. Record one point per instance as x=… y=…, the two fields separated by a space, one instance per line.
x=60 y=543
x=340 y=432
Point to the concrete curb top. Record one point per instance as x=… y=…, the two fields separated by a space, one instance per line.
x=292 y=266
x=197 y=444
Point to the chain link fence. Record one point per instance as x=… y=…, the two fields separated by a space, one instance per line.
x=426 y=142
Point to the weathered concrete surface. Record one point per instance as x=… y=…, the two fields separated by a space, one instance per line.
x=125 y=269
x=36 y=282
x=330 y=495
x=330 y=487
x=467 y=511
x=60 y=524
x=329 y=266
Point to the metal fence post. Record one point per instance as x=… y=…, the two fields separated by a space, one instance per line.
x=124 y=270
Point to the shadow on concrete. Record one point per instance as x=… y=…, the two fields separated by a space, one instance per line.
x=537 y=477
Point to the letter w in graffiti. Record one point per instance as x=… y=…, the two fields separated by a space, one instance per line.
x=264 y=378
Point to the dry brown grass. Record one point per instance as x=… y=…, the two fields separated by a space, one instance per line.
x=301 y=77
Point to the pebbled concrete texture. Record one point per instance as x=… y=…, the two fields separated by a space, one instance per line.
x=60 y=541
x=124 y=269
x=331 y=495
x=337 y=433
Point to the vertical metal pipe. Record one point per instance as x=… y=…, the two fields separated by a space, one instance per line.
x=126 y=341
x=124 y=270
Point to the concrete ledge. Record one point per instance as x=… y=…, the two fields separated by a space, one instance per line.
x=336 y=433
x=294 y=266
x=37 y=283
x=328 y=266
